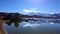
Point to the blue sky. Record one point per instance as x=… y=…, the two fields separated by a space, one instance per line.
x=27 y=6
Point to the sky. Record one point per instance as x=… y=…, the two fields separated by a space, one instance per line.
x=28 y=6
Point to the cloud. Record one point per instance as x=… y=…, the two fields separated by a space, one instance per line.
x=26 y=11
x=51 y=13
x=31 y=25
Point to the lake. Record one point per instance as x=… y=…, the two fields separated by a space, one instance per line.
x=39 y=26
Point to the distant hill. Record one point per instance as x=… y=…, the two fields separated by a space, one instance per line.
x=13 y=16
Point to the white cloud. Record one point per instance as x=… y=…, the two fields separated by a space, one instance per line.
x=26 y=11
x=51 y=13
x=31 y=25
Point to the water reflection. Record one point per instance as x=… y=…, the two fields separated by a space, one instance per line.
x=16 y=23
x=51 y=21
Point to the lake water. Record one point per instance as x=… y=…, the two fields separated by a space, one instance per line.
x=39 y=26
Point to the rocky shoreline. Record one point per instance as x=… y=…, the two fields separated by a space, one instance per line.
x=2 y=29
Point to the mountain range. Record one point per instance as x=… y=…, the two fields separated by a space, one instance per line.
x=30 y=15
x=44 y=14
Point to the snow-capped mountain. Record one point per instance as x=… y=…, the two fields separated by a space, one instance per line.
x=38 y=14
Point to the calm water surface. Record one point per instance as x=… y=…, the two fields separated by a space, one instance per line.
x=42 y=26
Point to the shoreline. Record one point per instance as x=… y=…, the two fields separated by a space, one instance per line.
x=2 y=29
